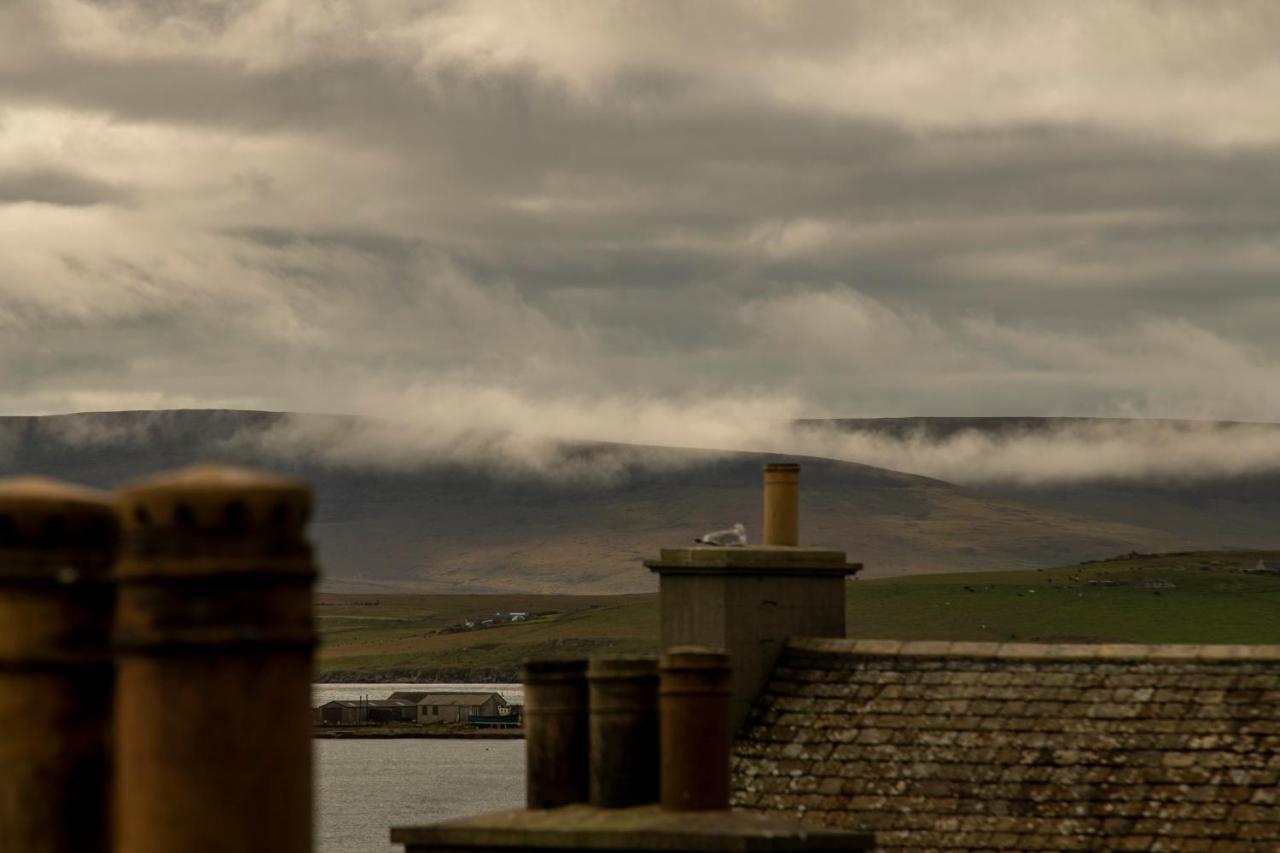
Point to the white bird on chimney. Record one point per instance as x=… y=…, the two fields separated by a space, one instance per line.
x=734 y=536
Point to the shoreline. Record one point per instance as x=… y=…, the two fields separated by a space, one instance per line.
x=338 y=734
x=478 y=675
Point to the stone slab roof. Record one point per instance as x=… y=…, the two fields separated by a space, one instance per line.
x=972 y=746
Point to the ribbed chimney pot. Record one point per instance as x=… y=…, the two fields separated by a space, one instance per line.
x=694 y=698
x=556 y=733
x=624 y=730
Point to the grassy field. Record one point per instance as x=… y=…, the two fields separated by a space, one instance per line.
x=1177 y=598
x=407 y=637
x=1202 y=597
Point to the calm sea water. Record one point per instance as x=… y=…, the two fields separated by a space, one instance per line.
x=364 y=787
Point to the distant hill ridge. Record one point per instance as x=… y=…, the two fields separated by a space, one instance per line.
x=442 y=525
x=941 y=428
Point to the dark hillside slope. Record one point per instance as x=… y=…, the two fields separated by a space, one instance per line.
x=436 y=526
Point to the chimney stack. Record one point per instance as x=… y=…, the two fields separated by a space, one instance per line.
x=693 y=812
x=748 y=601
x=725 y=613
x=214 y=635
x=57 y=546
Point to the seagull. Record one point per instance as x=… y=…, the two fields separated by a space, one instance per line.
x=736 y=535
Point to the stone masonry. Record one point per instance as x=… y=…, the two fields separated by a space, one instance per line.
x=984 y=746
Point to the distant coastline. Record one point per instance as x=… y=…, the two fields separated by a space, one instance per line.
x=447 y=675
x=376 y=733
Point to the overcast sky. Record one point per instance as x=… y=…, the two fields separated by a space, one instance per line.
x=750 y=209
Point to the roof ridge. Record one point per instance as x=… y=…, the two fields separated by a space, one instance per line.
x=1037 y=651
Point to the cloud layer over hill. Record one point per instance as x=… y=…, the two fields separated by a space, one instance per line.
x=394 y=506
x=597 y=442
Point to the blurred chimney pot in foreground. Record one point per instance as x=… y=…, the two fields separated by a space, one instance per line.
x=695 y=693
x=782 y=504
x=213 y=624
x=623 y=701
x=57 y=546
x=556 y=732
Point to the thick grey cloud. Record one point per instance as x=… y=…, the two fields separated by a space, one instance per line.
x=616 y=213
x=55 y=187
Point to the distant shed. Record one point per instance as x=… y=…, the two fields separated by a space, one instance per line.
x=456 y=707
x=392 y=711
x=355 y=712
x=341 y=712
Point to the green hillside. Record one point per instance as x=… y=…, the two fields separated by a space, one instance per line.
x=1202 y=597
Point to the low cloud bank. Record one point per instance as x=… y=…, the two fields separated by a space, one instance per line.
x=602 y=441
x=579 y=441
x=510 y=436
x=1070 y=452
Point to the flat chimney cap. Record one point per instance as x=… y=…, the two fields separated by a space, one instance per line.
x=757 y=559
x=552 y=669
x=696 y=657
x=622 y=666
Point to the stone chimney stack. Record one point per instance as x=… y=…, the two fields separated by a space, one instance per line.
x=749 y=600
x=725 y=614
